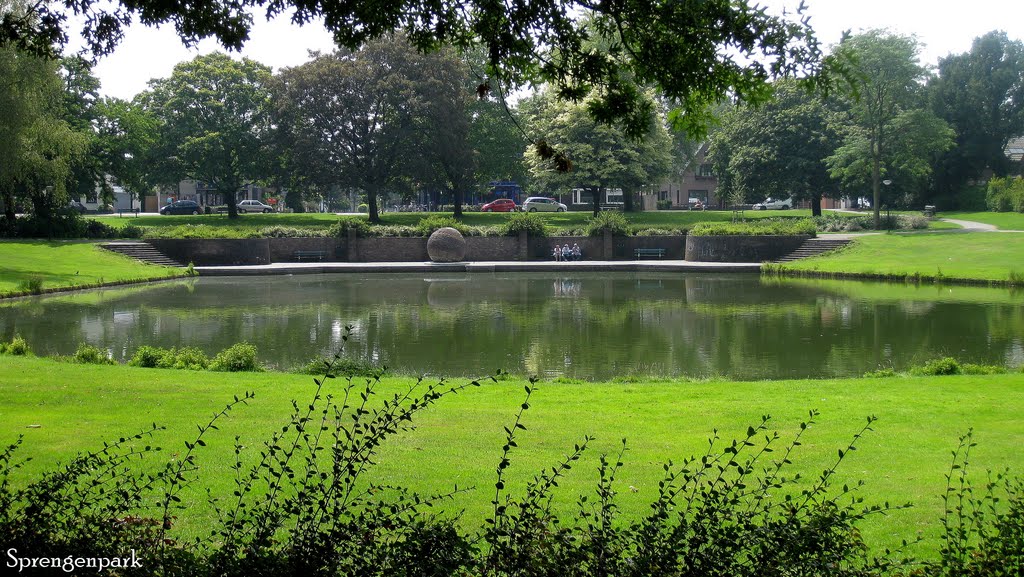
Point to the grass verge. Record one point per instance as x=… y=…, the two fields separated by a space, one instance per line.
x=34 y=267
x=1001 y=220
x=979 y=257
x=62 y=409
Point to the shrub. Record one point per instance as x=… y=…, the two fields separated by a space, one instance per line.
x=1005 y=194
x=664 y=204
x=530 y=222
x=97 y=229
x=943 y=366
x=131 y=231
x=290 y=232
x=360 y=226
x=428 y=225
x=237 y=358
x=148 y=357
x=32 y=285
x=191 y=358
x=87 y=354
x=759 y=227
x=880 y=373
x=363 y=207
x=17 y=346
x=612 y=221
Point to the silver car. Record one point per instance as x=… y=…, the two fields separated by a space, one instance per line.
x=254 y=206
x=543 y=204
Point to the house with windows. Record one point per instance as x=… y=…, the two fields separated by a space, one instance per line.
x=697 y=184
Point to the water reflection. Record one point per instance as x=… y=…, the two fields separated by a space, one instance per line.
x=590 y=325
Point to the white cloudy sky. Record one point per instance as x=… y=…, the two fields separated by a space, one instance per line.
x=943 y=26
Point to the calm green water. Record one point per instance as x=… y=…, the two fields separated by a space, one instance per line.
x=590 y=325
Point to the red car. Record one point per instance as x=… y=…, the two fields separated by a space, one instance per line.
x=500 y=205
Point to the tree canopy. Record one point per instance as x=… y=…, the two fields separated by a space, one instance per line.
x=980 y=93
x=695 y=53
x=213 y=116
x=602 y=156
x=777 y=149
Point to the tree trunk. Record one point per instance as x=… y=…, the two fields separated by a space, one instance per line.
x=627 y=199
x=815 y=204
x=9 y=214
x=371 y=204
x=597 y=201
x=876 y=175
x=458 y=196
x=231 y=198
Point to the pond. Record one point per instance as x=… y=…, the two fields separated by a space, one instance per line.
x=588 y=325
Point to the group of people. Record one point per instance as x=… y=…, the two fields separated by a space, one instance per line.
x=565 y=253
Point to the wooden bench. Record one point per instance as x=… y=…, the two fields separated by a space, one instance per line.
x=652 y=252
x=301 y=255
x=121 y=211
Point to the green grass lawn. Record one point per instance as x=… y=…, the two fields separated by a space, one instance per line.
x=66 y=264
x=1002 y=220
x=979 y=256
x=63 y=408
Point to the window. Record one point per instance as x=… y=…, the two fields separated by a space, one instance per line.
x=701 y=195
x=614 y=196
x=582 y=196
x=704 y=171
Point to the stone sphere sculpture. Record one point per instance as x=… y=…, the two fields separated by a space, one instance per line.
x=446 y=245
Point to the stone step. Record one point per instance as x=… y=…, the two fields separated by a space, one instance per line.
x=142 y=251
x=813 y=247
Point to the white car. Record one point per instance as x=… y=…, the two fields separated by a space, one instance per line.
x=771 y=204
x=543 y=204
x=254 y=206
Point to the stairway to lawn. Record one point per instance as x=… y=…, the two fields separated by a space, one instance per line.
x=814 y=247
x=141 y=251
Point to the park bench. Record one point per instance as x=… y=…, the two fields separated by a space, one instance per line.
x=929 y=210
x=652 y=252
x=301 y=255
x=121 y=211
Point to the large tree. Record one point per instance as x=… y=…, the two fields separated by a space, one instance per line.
x=981 y=95
x=214 y=126
x=778 y=149
x=693 y=52
x=599 y=156
x=38 y=148
x=886 y=103
x=358 y=117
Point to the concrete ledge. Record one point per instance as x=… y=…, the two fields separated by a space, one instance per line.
x=485 y=267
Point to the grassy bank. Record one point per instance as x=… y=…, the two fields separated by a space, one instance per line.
x=40 y=266
x=1001 y=220
x=63 y=408
x=969 y=256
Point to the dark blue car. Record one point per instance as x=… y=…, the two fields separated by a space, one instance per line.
x=182 y=207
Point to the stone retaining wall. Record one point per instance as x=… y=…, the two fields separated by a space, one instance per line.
x=739 y=248
x=213 y=252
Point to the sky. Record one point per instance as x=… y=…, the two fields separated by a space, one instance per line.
x=943 y=26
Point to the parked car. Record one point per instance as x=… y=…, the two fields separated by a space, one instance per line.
x=77 y=206
x=254 y=206
x=543 y=204
x=182 y=207
x=500 y=205
x=772 y=204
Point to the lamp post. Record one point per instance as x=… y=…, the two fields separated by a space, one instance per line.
x=888 y=216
